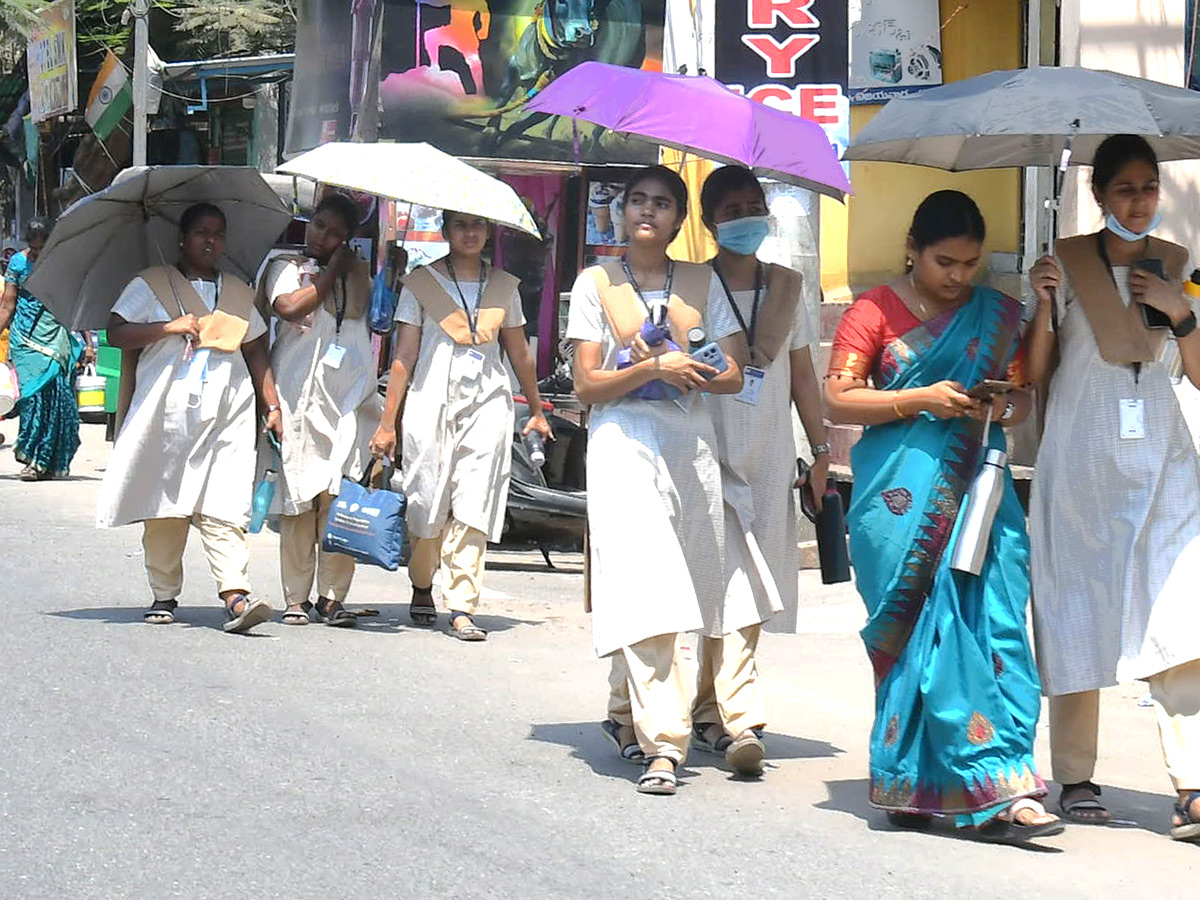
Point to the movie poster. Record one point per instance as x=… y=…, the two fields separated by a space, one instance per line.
x=457 y=73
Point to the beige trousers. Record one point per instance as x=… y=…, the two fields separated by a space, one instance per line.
x=729 y=693
x=459 y=551
x=301 y=559
x=650 y=688
x=163 y=543
x=1075 y=727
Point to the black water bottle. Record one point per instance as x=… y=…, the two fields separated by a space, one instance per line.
x=830 y=523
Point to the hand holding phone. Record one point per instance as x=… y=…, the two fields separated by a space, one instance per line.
x=1153 y=317
x=988 y=388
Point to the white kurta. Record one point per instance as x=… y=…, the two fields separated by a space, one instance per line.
x=655 y=519
x=330 y=411
x=1114 y=523
x=188 y=442
x=757 y=450
x=457 y=424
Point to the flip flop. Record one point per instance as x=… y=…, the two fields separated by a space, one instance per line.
x=629 y=752
x=469 y=632
x=1009 y=831
x=254 y=612
x=162 y=612
x=661 y=781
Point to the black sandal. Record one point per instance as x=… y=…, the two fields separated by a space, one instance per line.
x=161 y=612
x=423 y=613
x=1083 y=810
x=1010 y=831
x=631 y=752
x=1189 y=828
x=910 y=821
x=333 y=614
x=470 y=631
x=700 y=738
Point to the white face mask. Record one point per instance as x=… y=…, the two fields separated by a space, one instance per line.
x=1113 y=224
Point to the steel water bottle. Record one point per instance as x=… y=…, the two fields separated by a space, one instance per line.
x=264 y=495
x=535 y=444
x=976 y=518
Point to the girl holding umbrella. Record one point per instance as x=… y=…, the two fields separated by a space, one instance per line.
x=1115 y=508
x=194 y=360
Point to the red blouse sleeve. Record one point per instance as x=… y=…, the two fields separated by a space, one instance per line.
x=858 y=341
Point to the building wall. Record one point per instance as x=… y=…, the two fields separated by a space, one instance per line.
x=862 y=244
x=1134 y=37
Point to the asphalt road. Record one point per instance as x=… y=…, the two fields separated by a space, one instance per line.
x=393 y=762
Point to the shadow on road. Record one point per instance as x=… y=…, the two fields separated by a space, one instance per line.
x=589 y=744
x=392 y=619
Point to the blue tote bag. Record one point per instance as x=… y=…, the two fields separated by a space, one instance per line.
x=367 y=524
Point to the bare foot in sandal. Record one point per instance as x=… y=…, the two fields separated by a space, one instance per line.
x=1185 y=821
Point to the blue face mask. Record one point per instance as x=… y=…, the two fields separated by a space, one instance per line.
x=1113 y=225
x=744 y=236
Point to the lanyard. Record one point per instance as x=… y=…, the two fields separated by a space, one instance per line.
x=638 y=290
x=339 y=310
x=471 y=320
x=758 y=286
x=1137 y=367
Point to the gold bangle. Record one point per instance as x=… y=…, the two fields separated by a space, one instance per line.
x=896 y=408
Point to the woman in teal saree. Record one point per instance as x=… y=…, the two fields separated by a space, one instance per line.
x=957 y=694
x=45 y=355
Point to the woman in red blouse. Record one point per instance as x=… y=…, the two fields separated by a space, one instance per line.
x=957 y=696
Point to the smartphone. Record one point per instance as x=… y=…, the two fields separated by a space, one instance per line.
x=988 y=388
x=1154 y=318
x=806 y=501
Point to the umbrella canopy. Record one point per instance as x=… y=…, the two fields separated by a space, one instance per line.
x=413 y=173
x=696 y=114
x=1028 y=117
x=103 y=240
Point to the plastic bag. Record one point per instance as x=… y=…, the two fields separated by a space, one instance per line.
x=383 y=303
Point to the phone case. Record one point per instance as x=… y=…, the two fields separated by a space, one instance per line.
x=711 y=355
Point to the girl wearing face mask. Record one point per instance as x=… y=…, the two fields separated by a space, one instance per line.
x=956 y=694
x=654 y=486
x=194 y=357
x=323 y=363
x=758 y=455
x=457 y=316
x=1115 y=509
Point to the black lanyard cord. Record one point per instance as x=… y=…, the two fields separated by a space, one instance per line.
x=758 y=286
x=471 y=319
x=638 y=290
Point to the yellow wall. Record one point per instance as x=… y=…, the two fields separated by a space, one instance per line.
x=862 y=243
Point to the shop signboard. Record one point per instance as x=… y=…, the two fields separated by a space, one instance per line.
x=788 y=54
x=457 y=73
x=53 y=82
x=895 y=49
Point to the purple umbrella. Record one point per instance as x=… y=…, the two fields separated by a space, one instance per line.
x=696 y=114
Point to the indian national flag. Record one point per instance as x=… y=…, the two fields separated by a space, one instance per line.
x=111 y=97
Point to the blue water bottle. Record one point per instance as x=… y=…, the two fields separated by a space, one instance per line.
x=264 y=495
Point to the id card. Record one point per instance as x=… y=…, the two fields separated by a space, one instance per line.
x=1133 y=420
x=333 y=356
x=752 y=385
x=473 y=365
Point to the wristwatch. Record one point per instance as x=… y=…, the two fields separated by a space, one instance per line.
x=818 y=449
x=1009 y=410
x=1186 y=327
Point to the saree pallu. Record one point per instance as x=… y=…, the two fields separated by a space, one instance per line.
x=44 y=355
x=957 y=694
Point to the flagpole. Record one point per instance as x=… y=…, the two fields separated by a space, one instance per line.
x=141 y=77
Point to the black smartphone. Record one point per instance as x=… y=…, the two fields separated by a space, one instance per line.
x=988 y=388
x=1154 y=318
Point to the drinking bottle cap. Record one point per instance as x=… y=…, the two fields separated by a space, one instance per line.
x=996 y=458
x=1195 y=276
x=696 y=336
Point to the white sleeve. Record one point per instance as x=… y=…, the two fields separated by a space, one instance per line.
x=138 y=304
x=283 y=277
x=514 y=317
x=408 y=309
x=585 y=317
x=721 y=322
x=803 y=332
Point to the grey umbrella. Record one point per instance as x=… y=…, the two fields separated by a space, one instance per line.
x=105 y=239
x=1029 y=117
